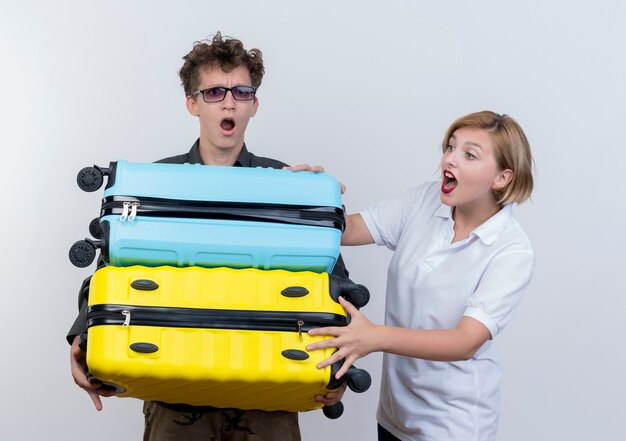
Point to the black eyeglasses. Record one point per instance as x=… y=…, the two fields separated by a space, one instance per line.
x=217 y=94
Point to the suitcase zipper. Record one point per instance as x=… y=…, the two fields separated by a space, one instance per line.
x=127 y=315
x=126 y=207
x=129 y=207
x=124 y=215
x=300 y=325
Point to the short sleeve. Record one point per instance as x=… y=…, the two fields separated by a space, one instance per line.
x=387 y=219
x=500 y=290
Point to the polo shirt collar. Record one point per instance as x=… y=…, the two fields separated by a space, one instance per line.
x=496 y=224
x=244 y=159
x=194 y=154
x=489 y=231
x=444 y=211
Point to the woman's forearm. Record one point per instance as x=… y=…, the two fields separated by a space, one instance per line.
x=459 y=343
x=356 y=232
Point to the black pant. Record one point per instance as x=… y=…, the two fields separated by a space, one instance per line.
x=385 y=435
x=164 y=423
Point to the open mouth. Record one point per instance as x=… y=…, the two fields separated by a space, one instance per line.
x=227 y=124
x=449 y=182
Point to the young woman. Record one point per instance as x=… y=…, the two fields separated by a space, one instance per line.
x=461 y=265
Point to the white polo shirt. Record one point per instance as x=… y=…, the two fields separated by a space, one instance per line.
x=431 y=284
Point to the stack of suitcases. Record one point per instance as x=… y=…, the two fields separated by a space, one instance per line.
x=210 y=279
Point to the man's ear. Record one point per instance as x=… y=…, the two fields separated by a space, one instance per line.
x=255 y=107
x=502 y=179
x=192 y=106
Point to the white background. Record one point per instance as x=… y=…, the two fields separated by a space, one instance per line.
x=367 y=89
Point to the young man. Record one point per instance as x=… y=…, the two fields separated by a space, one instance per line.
x=220 y=79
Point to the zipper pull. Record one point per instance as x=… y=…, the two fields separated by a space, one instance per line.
x=133 y=211
x=126 y=313
x=300 y=324
x=125 y=209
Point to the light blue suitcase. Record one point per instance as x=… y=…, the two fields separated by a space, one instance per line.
x=197 y=215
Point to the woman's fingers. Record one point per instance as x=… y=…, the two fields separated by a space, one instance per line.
x=348 y=307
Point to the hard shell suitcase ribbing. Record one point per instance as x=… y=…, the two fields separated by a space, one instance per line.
x=217 y=337
x=197 y=215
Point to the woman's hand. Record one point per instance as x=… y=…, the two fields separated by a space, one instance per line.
x=352 y=342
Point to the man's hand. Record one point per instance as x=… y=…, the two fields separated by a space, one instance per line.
x=331 y=397
x=313 y=168
x=78 y=365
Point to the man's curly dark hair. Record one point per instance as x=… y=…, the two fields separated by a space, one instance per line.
x=225 y=53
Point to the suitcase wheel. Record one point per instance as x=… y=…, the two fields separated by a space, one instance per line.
x=94 y=228
x=354 y=293
x=82 y=253
x=358 y=379
x=333 y=411
x=89 y=179
x=359 y=296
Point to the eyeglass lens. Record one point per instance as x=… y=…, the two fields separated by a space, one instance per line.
x=240 y=93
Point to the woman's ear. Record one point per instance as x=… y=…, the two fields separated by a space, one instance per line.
x=502 y=179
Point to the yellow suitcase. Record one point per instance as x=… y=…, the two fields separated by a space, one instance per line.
x=217 y=337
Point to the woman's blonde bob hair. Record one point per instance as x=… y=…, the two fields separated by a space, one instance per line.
x=511 y=151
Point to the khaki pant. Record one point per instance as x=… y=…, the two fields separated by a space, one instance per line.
x=165 y=424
